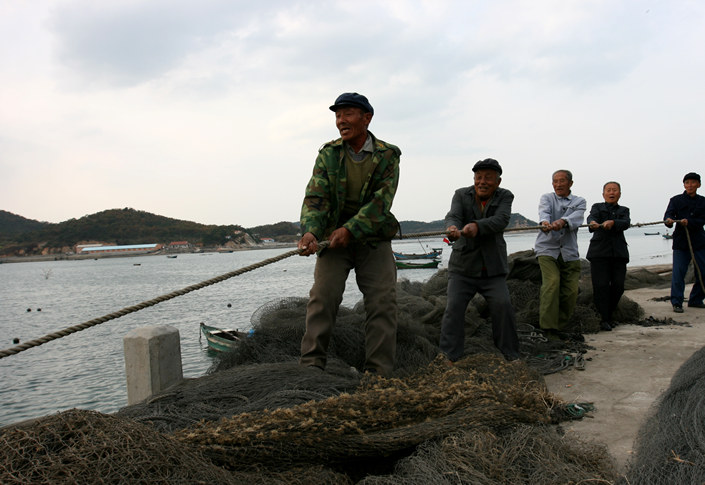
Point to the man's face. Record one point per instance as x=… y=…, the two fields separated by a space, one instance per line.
x=611 y=193
x=352 y=124
x=486 y=182
x=561 y=184
x=691 y=186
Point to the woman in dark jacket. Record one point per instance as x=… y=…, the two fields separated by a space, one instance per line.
x=608 y=253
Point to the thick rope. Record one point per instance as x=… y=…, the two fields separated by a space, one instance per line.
x=146 y=304
x=513 y=229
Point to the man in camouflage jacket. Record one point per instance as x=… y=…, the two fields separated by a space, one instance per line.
x=348 y=201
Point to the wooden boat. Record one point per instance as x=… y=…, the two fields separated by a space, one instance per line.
x=222 y=340
x=417 y=264
x=436 y=253
x=172 y=256
x=651 y=233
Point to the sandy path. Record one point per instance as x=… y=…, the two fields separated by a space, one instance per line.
x=629 y=368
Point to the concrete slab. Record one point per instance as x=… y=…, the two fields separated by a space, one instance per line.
x=628 y=370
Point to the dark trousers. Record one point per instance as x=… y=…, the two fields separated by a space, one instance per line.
x=607 y=284
x=461 y=289
x=376 y=276
x=681 y=260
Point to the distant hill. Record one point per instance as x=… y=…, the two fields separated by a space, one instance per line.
x=517 y=220
x=12 y=224
x=114 y=226
x=280 y=232
x=22 y=236
x=409 y=227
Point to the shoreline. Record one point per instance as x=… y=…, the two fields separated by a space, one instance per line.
x=81 y=257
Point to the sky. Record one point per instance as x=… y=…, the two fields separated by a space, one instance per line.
x=213 y=111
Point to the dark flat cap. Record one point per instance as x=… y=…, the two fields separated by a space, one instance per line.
x=490 y=163
x=691 y=176
x=353 y=99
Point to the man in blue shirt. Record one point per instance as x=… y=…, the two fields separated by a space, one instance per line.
x=687 y=211
x=560 y=214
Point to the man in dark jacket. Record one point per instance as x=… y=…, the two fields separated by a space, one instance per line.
x=608 y=253
x=687 y=211
x=476 y=221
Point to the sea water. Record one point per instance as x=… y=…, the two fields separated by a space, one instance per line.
x=86 y=369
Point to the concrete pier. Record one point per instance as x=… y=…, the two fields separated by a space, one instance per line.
x=152 y=361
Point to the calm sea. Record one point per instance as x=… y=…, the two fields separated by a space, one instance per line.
x=86 y=369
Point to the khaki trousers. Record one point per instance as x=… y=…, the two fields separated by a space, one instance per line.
x=376 y=274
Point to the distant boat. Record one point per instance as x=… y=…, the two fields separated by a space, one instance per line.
x=171 y=256
x=222 y=340
x=436 y=253
x=420 y=264
x=651 y=233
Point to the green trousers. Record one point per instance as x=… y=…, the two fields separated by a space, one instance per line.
x=559 y=291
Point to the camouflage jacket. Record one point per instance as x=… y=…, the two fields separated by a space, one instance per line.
x=325 y=194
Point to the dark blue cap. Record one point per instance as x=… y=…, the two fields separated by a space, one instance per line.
x=490 y=163
x=353 y=99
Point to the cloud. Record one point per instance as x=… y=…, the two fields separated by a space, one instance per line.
x=174 y=106
x=130 y=42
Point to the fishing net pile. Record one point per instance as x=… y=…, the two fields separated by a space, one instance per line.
x=89 y=447
x=382 y=417
x=528 y=454
x=437 y=420
x=670 y=446
x=259 y=417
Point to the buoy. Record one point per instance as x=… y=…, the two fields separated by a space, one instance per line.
x=29 y=309
x=15 y=340
x=39 y=309
x=229 y=305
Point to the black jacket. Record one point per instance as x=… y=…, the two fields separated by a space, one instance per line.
x=609 y=243
x=682 y=206
x=488 y=249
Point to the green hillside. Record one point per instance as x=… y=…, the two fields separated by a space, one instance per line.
x=11 y=224
x=114 y=226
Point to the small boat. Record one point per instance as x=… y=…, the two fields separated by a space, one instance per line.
x=171 y=256
x=417 y=264
x=651 y=233
x=436 y=253
x=222 y=340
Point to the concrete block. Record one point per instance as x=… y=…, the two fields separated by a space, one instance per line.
x=152 y=361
